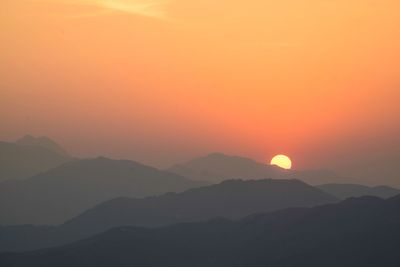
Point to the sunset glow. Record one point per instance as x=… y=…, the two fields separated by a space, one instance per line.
x=138 y=79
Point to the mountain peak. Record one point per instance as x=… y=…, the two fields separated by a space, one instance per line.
x=26 y=158
x=43 y=141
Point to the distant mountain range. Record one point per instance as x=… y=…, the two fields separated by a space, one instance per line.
x=216 y=210
x=343 y=191
x=30 y=156
x=358 y=232
x=65 y=191
x=217 y=167
x=230 y=199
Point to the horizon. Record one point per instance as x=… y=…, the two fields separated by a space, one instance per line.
x=226 y=156
x=163 y=81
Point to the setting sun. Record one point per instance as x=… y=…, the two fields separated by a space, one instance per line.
x=282 y=161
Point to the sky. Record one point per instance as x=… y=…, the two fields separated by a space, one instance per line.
x=163 y=81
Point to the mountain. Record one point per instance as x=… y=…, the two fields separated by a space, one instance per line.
x=230 y=199
x=318 y=177
x=63 y=192
x=43 y=141
x=217 y=167
x=18 y=161
x=358 y=232
x=343 y=191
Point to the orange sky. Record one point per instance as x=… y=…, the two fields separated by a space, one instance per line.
x=161 y=81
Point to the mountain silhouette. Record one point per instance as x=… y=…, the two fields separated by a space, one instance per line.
x=358 y=232
x=318 y=177
x=63 y=192
x=217 y=167
x=20 y=161
x=231 y=199
x=29 y=140
x=343 y=191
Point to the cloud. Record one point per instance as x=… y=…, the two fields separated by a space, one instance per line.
x=148 y=8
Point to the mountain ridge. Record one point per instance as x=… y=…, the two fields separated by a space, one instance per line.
x=44 y=141
x=355 y=232
x=230 y=199
x=37 y=200
x=19 y=162
x=216 y=167
x=343 y=191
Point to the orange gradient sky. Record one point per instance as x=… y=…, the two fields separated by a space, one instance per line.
x=161 y=81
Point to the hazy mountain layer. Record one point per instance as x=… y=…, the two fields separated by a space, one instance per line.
x=29 y=140
x=217 y=167
x=63 y=192
x=343 y=191
x=359 y=232
x=231 y=199
x=20 y=161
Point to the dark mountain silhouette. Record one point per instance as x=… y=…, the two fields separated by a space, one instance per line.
x=18 y=161
x=29 y=140
x=63 y=192
x=343 y=191
x=230 y=199
x=358 y=232
x=217 y=167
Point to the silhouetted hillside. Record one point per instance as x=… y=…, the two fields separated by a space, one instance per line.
x=343 y=191
x=230 y=199
x=23 y=161
x=318 y=177
x=61 y=193
x=217 y=167
x=359 y=232
x=29 y=140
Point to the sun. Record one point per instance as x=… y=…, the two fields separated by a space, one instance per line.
x=282 y=161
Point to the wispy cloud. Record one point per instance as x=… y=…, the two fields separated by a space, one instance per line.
x=148 y=8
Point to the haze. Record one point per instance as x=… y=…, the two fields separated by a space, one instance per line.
x=164 y=81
